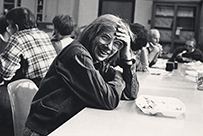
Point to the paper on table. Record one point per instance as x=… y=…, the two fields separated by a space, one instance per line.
x=161 y=64
x=156 y=71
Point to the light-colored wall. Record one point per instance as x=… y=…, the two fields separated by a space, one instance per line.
x=31 y=4
x=54 y=7
x=88 y=11
x=143 y=12
x=1 y=7
x=51 y=10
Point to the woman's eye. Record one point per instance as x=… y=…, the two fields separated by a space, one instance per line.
x=118 y=44
x=105 y=37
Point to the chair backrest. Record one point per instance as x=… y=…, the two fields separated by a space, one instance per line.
x=21 y=93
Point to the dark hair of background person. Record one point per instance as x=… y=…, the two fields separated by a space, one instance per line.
x=23 y=17
x=142 y=36
x=65 y=24
x=3 y=24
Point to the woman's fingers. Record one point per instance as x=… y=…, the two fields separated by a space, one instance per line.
x=122 y=34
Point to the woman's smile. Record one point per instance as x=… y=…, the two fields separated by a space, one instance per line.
x=104 y=50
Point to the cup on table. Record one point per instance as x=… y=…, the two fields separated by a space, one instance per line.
x=199 y=80
x=175 y=65
x=169 y=66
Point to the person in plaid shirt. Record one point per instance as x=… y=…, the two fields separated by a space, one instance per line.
x=28 y=54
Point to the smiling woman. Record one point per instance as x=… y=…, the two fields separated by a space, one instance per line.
x=108 y=45
x=79 y=74
x=118 y=31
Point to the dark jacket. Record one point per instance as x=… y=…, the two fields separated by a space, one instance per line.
x=72 y=83
x=195 y=55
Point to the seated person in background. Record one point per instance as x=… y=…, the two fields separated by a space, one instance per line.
x=74 y=80
x=153 y=49
x=63 y=27
x=139 y=43
x=28 y=54
x=27 y=42
x=187 y=53
x=4 y=35
x=141 y=36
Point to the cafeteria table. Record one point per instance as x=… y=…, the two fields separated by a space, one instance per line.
x=128 y=120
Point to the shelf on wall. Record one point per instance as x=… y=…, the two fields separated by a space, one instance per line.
x=40 y=8
x=176 y=21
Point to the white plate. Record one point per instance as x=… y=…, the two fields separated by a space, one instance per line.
x=168 y=106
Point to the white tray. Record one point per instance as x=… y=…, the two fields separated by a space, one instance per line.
x=168 y=106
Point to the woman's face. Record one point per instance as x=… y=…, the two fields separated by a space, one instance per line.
x=105 y=45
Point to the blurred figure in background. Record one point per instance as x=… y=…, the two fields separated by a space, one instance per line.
x=63 y=28
x=153 y=48
x=138 y=45
x=4 y=35
x=151 y=52
x=141 y=36
x=187 y=53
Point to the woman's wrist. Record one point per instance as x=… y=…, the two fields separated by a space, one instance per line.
x=128 y=61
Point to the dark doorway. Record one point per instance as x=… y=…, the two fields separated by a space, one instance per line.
x=121 y=8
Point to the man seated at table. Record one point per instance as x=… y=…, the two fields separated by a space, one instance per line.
x=148 y=55
x=187 y=53
x=76 y=78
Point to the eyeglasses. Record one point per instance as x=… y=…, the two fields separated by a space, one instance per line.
x=107 y=39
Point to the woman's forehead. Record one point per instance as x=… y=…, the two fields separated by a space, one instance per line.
x=108 y=30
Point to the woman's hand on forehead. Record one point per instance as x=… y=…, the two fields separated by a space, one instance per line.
x=122 y=34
